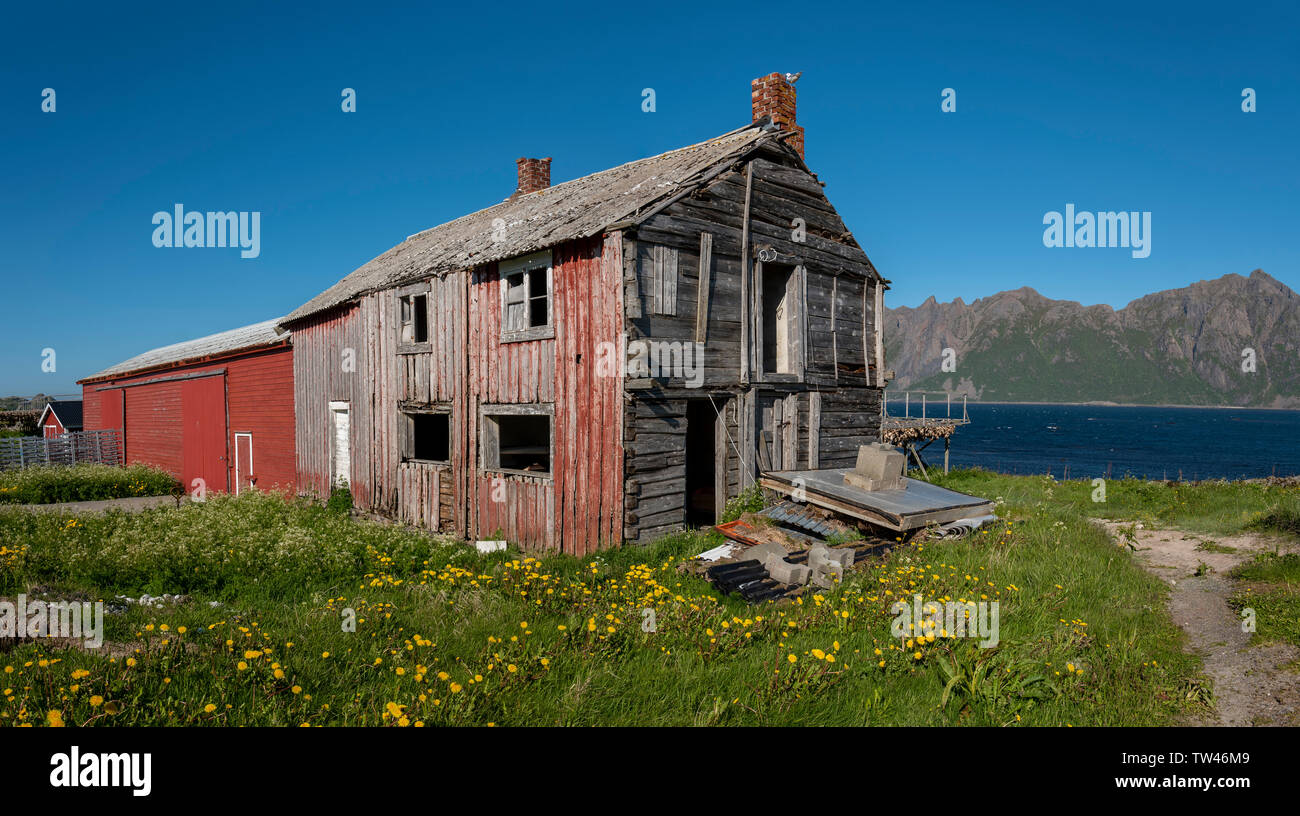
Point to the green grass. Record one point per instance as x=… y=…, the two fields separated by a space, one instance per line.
x=1085 y=637
x=1219 y=507
x=85 y=482
x=1274 y=595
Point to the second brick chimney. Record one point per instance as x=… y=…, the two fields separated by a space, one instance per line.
x=534 y=175
x=773 y=96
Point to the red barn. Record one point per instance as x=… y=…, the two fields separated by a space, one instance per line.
x=218 y=408
x=60 y=417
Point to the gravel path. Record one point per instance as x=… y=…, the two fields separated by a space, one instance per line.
x=1251 y=685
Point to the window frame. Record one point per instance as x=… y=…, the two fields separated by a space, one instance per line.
x=528 y=265
x=400 y=296
x=489 y=437
x=406 y=431
x=797 y=328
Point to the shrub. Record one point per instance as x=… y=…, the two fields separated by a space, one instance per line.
x=1279 y=519
x=340 y=501
x=749 y=500
x=254 y=541
x=85 y=482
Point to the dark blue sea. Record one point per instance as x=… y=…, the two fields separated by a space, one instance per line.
x=1153 y=443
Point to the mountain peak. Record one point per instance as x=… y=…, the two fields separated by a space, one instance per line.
x=1177 y=346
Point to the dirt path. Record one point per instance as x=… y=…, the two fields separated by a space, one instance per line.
x=1251 y=687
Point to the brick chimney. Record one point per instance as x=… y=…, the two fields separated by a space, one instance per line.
x=534 y=175
x=773 y=96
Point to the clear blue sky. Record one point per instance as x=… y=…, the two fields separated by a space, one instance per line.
x=233 y=106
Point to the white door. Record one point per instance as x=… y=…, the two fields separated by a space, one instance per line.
x=342 y=470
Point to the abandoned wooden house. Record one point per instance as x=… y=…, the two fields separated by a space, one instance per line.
x=602 y=360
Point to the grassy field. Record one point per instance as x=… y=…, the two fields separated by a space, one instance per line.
x=297 y=614
x=84 y=482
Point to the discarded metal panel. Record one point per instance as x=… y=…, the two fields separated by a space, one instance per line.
x=919 y=505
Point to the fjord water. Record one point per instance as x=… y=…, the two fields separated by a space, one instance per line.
x=1140 y=441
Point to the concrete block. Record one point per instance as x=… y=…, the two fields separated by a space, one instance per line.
x=787 y=573
x=763 y=549
x=879 y=467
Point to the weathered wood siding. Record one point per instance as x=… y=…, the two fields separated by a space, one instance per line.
x=466 y=366
x=577 y=508
x=815 y=416
x=329 y=365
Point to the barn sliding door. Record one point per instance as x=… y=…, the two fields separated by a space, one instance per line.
x=203 y=435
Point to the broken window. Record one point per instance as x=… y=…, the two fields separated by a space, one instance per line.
x=518 y=440
x=526 y=297
x=778 y=318
x=426 y=435
x=413 y=315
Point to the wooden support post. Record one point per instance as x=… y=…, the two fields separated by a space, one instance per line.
x=946 y=441
x=745 y=309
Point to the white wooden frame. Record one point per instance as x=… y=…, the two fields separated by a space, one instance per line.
x=338 y=406
x=521 y=264
x=424 y=288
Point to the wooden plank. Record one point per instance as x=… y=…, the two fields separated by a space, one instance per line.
x=880 y=335
x=720 y=436
x=745 y=306
x=790 y=431
x=814 y=429
x=705 y=279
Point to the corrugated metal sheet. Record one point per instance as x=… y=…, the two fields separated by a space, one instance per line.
x=247 y=337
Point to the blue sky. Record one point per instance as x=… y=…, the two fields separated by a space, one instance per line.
x=237 y=107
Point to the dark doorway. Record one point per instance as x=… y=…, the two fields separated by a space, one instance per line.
x=701 y=422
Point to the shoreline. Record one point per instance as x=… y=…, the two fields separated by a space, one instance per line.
x=1104 y=404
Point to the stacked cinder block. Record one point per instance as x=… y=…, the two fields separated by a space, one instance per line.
x=827 y=565
x=772 y=557
x=879 y=467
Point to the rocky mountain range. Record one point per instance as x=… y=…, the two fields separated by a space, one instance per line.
x=1230 y=341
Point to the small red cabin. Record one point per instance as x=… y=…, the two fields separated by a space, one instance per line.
x=60 y=417
x=217 y=409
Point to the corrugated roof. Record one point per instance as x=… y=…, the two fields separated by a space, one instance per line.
x=248 y=337
x=573 y=209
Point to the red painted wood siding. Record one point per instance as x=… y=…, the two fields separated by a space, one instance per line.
x=580 y=507
x=155 y=430
x=204 y=452
x=259 y=394
x=256 y=394
x=52 y=427
x=589 y=401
